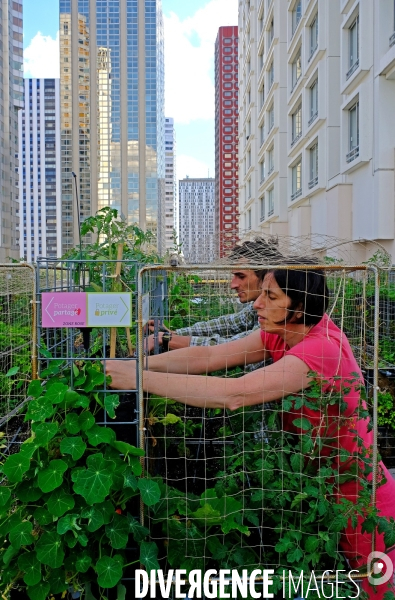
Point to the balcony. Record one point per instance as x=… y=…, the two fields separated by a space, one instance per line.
x=296 y=138
x=352 y=69
x=313 y=117
x=353 y=154
x=296 y=194
x=270 y=211
x=392 y=39
x=313 y=182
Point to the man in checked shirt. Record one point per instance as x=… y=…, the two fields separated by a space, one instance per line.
x=247 y=285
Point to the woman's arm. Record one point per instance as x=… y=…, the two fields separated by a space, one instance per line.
x=287 y=376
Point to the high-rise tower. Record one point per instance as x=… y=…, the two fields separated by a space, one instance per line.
x=11 y=100
x=172 y=212
x=226 y=138
x=112 y=111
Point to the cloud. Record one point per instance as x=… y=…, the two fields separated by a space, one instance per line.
x=189 y=60
x=41 y=57
x=188 y=165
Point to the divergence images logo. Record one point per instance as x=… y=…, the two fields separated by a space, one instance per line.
x=379 y=563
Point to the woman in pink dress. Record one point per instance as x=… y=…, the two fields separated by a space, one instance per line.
x=300 y=338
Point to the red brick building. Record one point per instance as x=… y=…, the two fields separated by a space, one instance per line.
x=226 y=138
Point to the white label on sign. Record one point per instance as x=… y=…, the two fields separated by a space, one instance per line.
x=109 y=309
x=146 y=306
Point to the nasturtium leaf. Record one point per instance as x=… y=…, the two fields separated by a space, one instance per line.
x=302 y=423
x=111 y=402
x=52 y=477
x=83 y=539
x=9 y=554
x=39 y=591
x=35 y=388
x=12 y=371
x=42 y=516
x=82 y=401
x=94 y=516
x=70 y=398
x=57 y=581
x=68 y=523
x=83 y=563
x=60 y=502
x=76 y=370
x=121 y=592
x=39 y=409
x=107 y=510
x=28 y=447
x=49 y=550
x=44 y=432
x=86 y=421
x=28 y=492
x=70 y=539
x=125 y=448
x=109 y=572
x=31 y=568
x=118 y=531
x=100 y=435
x=74 y=446
x=21 y=535
x=150 y=491
x=15 y=466
x=56 y=393
x=94 y=378
x=94 y=483
x=129 y=480
x=148 y=555
x=135 y=465
x=5 y=494
x=138 y=531
x=72 y=423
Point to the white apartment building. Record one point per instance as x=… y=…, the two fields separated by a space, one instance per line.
x=317 y=131
x=197 y=220
x=171 y=204
x=39 y=171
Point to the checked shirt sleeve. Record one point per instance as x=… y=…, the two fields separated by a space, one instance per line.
x=222 y=329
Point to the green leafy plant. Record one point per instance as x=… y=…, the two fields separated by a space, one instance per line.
x=70 y=496
x=386 y=409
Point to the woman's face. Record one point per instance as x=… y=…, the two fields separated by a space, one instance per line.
x=272 y=306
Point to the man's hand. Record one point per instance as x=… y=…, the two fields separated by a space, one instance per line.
x=122 y=373
x=151 y=326
x=149 y=343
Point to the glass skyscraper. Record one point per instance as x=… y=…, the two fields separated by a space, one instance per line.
x=112 y=112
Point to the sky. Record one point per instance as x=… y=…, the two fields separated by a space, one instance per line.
x=191 y=28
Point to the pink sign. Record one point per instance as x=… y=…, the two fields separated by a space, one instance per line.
x=63 y=309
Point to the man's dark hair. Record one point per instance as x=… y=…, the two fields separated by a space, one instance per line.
x=307 y=290
x=257 y=251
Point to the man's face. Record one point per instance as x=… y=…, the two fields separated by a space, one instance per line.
x=246 y=284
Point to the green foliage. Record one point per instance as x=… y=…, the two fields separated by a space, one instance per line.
x=65 y=495
x=278 y=490
x=386 y=410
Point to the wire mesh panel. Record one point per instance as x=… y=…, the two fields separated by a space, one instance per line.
x=249 y=483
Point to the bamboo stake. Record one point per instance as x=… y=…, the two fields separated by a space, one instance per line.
x=113 y=333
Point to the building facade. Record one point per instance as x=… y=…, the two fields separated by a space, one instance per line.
x=11 y=101
x=171 y=204
x=197 y=220
x=317 y=87
x=112 y=111
x=226 y=138
x=39 y=171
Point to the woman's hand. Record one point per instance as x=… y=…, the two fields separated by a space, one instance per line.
x=122 y=373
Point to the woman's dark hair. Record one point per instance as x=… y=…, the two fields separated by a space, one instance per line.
x=307 y=290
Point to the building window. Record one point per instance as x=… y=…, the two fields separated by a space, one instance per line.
x=353 y=61
x=249 y=189
x=313 y=101
x=262 y=94
x=313 y=166
x=297 y=180
x=262 y=133
x=270 y=118
x=271 y=74
x=270 y=160
x=297 y=68
x=392 y=37
x=313 y=36
x=353 y=116
x=270 y=199
x=296 y=125
x=262 y=171
x=249 y=219
x=296 y=15
x=262 y=208
x=271 y=32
